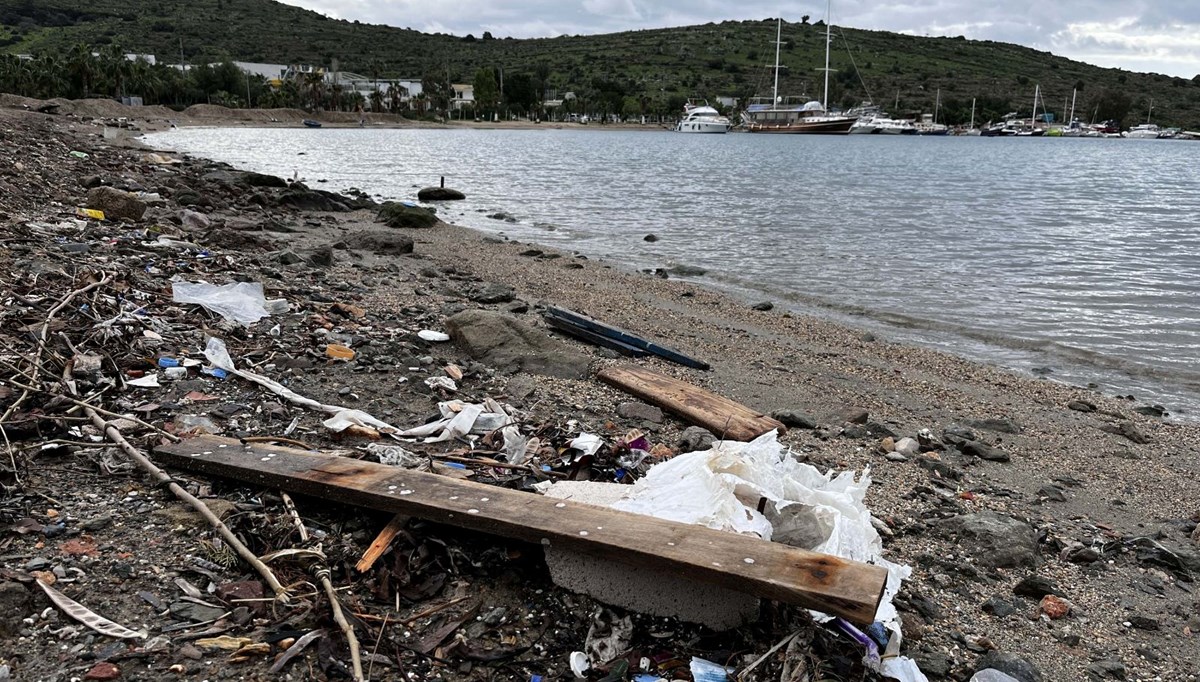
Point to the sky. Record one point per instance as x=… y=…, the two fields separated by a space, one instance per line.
x=1160 y=36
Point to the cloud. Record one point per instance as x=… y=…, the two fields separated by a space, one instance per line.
x=1143 y=35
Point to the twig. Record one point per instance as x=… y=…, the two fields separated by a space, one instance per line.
x=277 y=439
x=381 y=543
x=435 y=609
x=88 y=406
x=114 y=434
x=377 y=641
x=321 y=571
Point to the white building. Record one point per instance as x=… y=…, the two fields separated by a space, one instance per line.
x=464 y=96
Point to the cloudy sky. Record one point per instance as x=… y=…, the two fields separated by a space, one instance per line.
x=1161 y=36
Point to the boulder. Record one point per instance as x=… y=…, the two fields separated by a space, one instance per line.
x=311 y=200
x=794 y=419
x=510 y=345
x=440 y=194
x=491 y=292
x=982 y=450
x=1009 y=664
x=384 y=242
x=117 y=205
x=252 y=179
x=194 y=220
x=994 y=540
x=640 y=412
x=696 y=438
x=398 y=215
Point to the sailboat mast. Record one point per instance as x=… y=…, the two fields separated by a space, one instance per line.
x=1150 y=111
x=828 y=39
x=1033 y=117
x=937 y=104
x=1073 y=93
x=778 y=36
x=972 y=114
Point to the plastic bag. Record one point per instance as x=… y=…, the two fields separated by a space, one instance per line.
x=241 y=302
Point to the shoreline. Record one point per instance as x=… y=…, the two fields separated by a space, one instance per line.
x=822 y=371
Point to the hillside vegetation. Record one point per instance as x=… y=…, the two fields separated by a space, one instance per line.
x=651 y=67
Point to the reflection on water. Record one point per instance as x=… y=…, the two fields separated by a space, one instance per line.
x=1079 y=255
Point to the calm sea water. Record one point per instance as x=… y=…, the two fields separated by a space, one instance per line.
x=1076 y=257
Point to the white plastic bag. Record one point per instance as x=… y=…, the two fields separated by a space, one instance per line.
x=241 y=302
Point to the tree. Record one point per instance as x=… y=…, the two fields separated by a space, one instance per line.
x=487 y=93
x=1112 y=105
x=435 y=87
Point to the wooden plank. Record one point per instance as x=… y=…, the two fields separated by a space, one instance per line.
x=381 y=543
x=625 y=337
x=747 y=564
x=724 y=417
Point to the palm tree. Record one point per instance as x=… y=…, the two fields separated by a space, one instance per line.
x=81 y=69
x=314 y=81
x=376 y=101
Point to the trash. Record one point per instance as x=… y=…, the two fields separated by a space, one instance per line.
x=176 y=373
x=459 y=419
x=90 y=213
x=602 y=334
x=579 y=664
x=195 y=423
x=79 y=155
x=445 y=383
x=695 y=405
x=148 y=381
x=168 y=362
x=82 y=614
x=587 y=443
x=432 y=336
x=339 y=352
x=394 y=455
x=240 y=302
x=707 y=671
x=609 y=636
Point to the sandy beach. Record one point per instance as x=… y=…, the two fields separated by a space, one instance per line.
x=1104 y=494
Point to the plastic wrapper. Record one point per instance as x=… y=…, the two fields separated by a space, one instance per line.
x=241 y=302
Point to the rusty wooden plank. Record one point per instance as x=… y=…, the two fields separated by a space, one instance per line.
x=726 y=418
x=738 y=562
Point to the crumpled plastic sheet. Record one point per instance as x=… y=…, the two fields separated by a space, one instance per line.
x=587 y=443
x=396 y=456
x=343 y=417
x=241 y=302
x=460 y=419
x=824 y=512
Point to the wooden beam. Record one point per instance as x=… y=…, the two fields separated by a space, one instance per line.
x=743 y=563
x=724 y=417
x=381 y=543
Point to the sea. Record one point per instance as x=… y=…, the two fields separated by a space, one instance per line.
x=1071 y=259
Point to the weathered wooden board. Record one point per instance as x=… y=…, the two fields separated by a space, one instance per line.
x=724 y=417
x=738 y=562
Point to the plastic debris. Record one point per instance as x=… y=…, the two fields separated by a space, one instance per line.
x=148 y=381
x=587 y=443
x=93 y=213
x=445 y=383
x=707 y=671
x=460 y=419
x=394 y=455
x=435 y=337
x=241 y=302
x=579 y=664
x=339 y=352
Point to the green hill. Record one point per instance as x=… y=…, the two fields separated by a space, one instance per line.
x=654 y=67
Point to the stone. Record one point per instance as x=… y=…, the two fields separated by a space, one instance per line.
x=439 y=194
x=14 y=605
x=103 y=671
x=955 y=434
x=492 y=292
x=1106 y=670
x=252 y=179
x=848 y=415
x=794 y=419
x=640 y=411
x=764 y=306
x=289 y=257
x=510 y=345
x=1010 y=664
x=999 y=607
x=1036 y=587
x=1151 y=410
x=197 y=613
x=398 y=215
x=1078 y=553
x=1052 y=493
x=301 y=198
x=1081 y=406
x=1000 y=425
x=1128 y=430
x=194 y=220
x=1054 y=607
x=322 y=256
x=1143 y=623
x=994 y=540
x=650 y=238
x=696 y=438
x=906 y=446
x=382 y=242
x=934 y=664
x=241 y=590
x=982 y=450
x=686 y=271
x=117 y=205
x=91 y=181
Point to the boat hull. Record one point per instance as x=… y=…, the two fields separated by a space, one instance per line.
x=702 y=127
x=830 y=127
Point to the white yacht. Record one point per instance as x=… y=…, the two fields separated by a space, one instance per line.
x=701 y=118
x=1145 y=131
x=882 y=125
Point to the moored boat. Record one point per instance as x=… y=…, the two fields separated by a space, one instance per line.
x=309 y=123
x=702 y=118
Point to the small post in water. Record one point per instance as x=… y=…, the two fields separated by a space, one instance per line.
x=443 y=181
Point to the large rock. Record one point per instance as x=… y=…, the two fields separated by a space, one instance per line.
x=398 y=215
x=440 y=194
x=306 y=199
x=383 y=242
x=117 y=205
x=992 y=539
x=14 y=605
x=510 y=345
x=1009 y=664
x=492 y=292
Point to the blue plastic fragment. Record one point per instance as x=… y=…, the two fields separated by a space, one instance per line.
x=217 y=372
x=456 y=465
x=535 y=678
x=879 y=634
x=545 y=467
x=619 y=474
x=647 y=677
x=168 y=362
x=408 y=204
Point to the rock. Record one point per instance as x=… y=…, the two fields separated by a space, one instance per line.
x=1054 y=607
x=1151 y=410
x=1081 y=406
x=398 y=215
x=304 y=199
x=251 y=179
x=764 y=306
x=1052 y=493
x=992 y=675
x=848 y=415
x=1036 y=587
x=380 y=241
x=686 y=271
x=650 y=238
x=794 y=419
x=911 y=626
x=242 y=590
x=939 y=467
x=640 y=411
x=907 y=446
x=518 y=308
x=103 y=671
x=1010 y=664
x=1129 y=430
x=117 y=205
x=492 y=292
x=1143 y=623
x=696 y=438
x=288 y=257
x=955 y=434
x=982 y=450
x=996 y=541
x=194 y=220
x=1106 y=670
x=999 y=607
x=91 y=181
x=197 y=613
x=934 y=664
x=322 y=256
x=510 y=345
x=1078 y=553
x=439 y=194
x=14 y=605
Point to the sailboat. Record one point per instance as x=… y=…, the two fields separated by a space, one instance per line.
x=971 y=130
x=781 y=115
x=928 y=124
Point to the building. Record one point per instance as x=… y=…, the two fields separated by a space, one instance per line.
x=464 y=96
